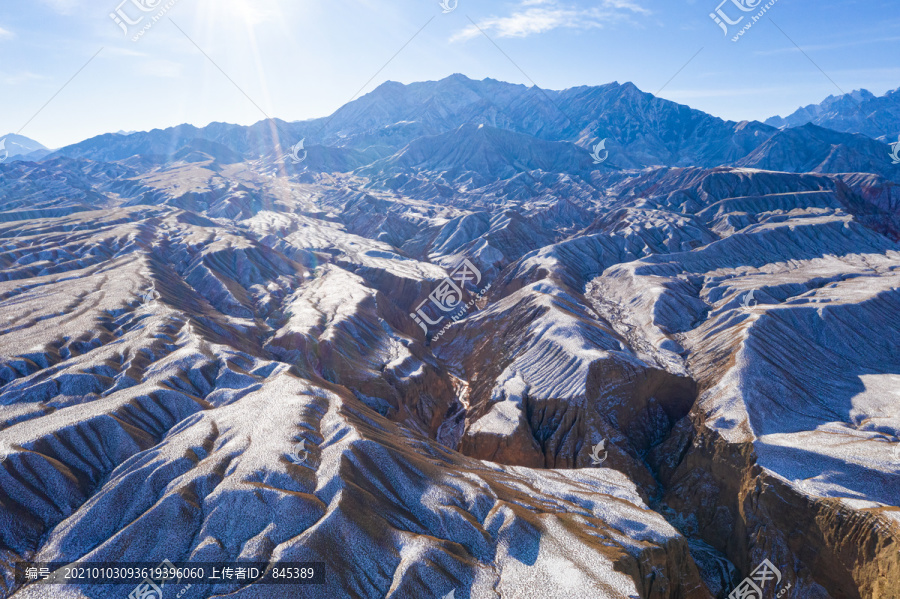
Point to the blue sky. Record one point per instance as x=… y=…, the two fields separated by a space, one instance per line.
x=300 y=59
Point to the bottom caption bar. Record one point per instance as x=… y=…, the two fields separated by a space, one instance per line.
x=153 y=576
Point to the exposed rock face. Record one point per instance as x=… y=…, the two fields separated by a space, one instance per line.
x=660 y=378
x=857 y=112
x=795 y=426
x=463 y=134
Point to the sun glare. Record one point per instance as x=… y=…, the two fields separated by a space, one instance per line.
x=242 y=11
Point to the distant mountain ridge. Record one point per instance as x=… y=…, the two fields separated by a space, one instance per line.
x=860 y=111
x=389 y=125
x=647 y=130
x=14 y=146
x=813 y=149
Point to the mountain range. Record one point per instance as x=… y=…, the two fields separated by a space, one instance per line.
x=641 y=130
x=856 y=112
x=451 y=345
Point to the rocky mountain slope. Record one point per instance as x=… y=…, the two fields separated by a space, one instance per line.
x=641 y=130
x=468 y=360
x=14 y=147
x=860 y=111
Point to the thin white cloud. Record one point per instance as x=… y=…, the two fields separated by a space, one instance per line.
x=533 y=17
x=6 y=34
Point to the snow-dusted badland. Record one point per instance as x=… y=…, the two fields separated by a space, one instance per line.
x=716 y=303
